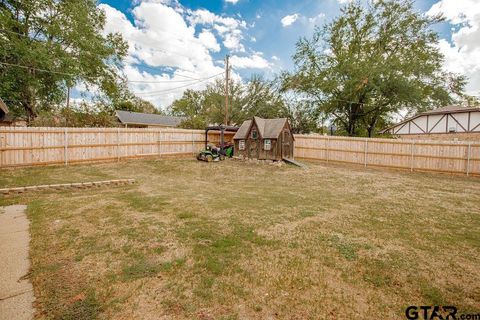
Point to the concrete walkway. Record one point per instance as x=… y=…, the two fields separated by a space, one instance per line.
x=16 y=295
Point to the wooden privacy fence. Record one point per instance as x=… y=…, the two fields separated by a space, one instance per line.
x=45 y=146
x=440 y=156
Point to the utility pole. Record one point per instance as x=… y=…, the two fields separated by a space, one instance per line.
x=227 y=71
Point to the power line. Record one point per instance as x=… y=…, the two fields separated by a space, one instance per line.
x=151 y=48
x=179 y=75
x=161 y=81
x=41 y=70
x=169 y=52
x=154 y=93
x=227 y=60
x=188 y=77
x=74 y=75
x=18 y=33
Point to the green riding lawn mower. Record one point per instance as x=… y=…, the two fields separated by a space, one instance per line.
x=220 y=152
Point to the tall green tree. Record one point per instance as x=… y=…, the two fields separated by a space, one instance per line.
x=371 y=62
x=254 y=98
x=302 y=114
x=49 y=45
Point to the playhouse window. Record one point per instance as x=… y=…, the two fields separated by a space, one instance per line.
x=254 y=134
x=267 y=144
x=241 y=145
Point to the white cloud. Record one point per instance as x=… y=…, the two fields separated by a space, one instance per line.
x=289 y=20
x=316 y=20
x=306 y=21
x=230 y=29
x=344 y=1
x=233 y=40
x=232 y=1
x=255 y=61
x=163 y=41
x=209 y=41
x=462 y=55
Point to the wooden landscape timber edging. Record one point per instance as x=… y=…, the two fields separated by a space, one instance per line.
x=63 y=186
x=21 y=147
x=414 y=155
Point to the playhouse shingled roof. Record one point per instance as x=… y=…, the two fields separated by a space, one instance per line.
x=268 y=128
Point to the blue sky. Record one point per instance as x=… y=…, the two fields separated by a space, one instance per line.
x=174 y=41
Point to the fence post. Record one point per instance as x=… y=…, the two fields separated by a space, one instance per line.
x=468 y=158
x=3 y=140
x=412 y=163
x=366 y=151
x=159 y=143
x=65 y=146
x=118 y=144
x=193 y=145
x=327 y=148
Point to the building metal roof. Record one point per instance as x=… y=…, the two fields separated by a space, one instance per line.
x=444 y=110
x=268 y=128
x=137 y=118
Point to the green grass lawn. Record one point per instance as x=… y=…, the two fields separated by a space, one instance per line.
x=236 y=240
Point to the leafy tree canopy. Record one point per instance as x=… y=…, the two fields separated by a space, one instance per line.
x=371 y=62
x=48 y=45
x=255 y=98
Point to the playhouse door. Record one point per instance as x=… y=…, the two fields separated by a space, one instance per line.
x=286 y=144
x=253 y=150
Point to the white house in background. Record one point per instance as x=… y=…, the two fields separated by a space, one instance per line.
x=447 y=123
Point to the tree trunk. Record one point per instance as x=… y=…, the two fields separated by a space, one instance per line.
x=370 y=131
x=28 y=104
x=29 y=110
x=371 y=125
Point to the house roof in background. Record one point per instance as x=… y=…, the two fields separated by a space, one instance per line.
x=450 y=109
x=9 y=118
x=127 y=117
x=268 y=128
x=444 y=110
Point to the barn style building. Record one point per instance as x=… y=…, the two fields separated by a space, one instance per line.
x=447 y=123
x=264 y=139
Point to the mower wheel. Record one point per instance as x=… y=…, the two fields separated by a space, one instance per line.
x=222 y=157
x=209 y=158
